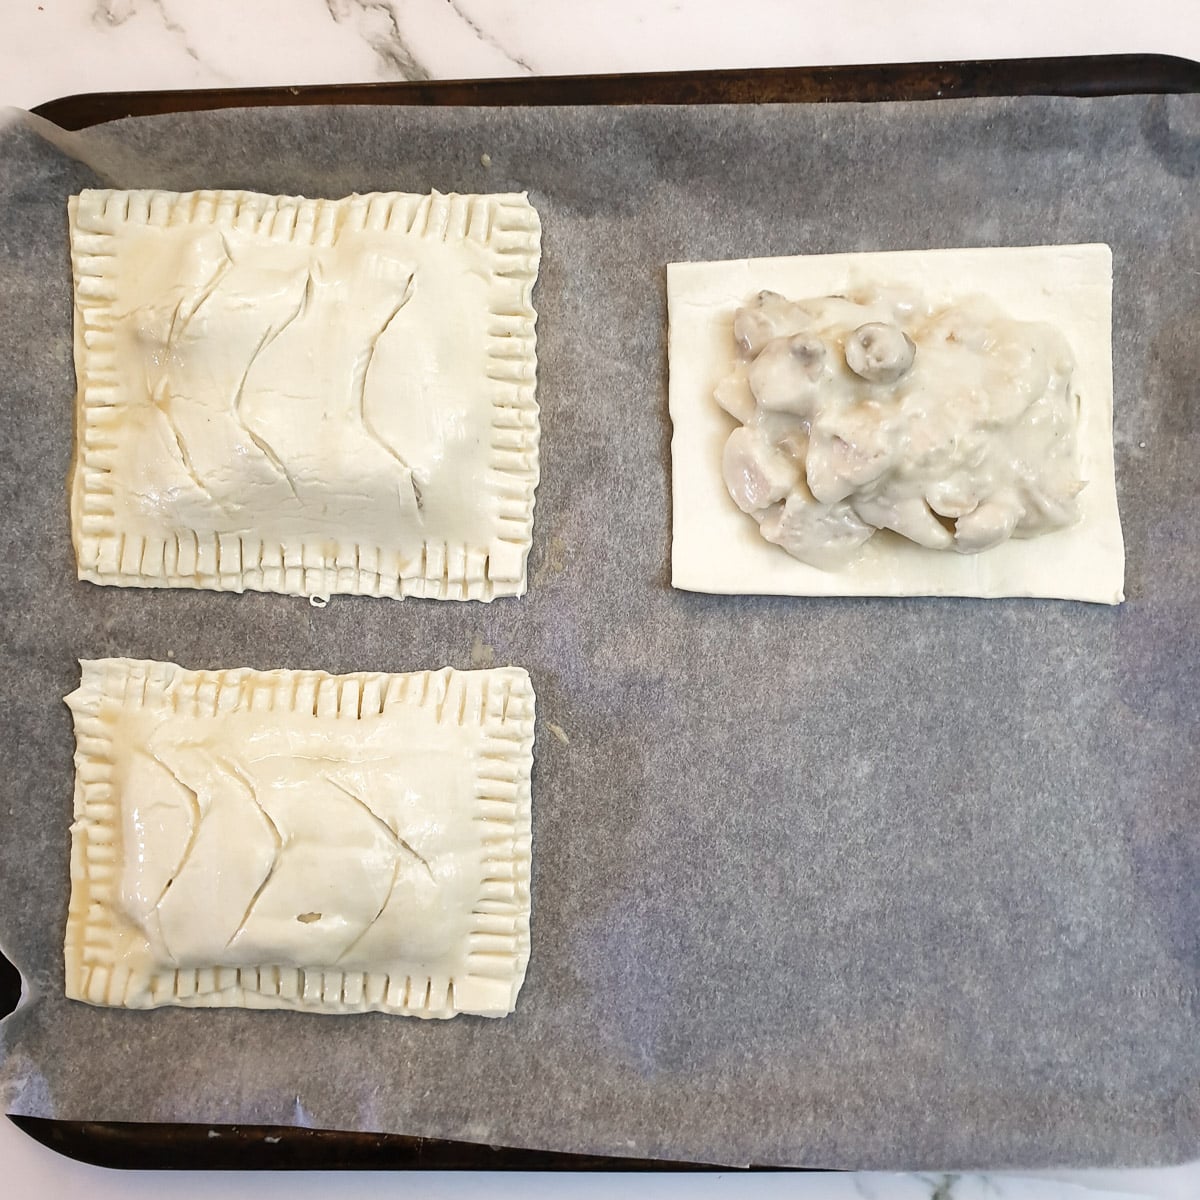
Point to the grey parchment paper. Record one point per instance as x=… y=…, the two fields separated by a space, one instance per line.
x=845 y=883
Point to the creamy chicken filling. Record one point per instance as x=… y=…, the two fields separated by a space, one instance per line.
x=953 y=426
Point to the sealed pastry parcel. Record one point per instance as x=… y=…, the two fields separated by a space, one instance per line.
x=293 y=839
x=870 y=881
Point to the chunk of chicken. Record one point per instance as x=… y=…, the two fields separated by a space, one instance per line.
x=819 y=534
x=787 y=374
x=757 y=474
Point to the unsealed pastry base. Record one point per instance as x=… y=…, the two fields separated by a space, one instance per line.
x=292 y=839
x=717 y=548
x=305 y=396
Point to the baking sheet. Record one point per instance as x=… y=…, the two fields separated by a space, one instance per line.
x=842 y=883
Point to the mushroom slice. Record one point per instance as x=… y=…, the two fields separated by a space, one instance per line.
x=879 y=352
x=767 y=317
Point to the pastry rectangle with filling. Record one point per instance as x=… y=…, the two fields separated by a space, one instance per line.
x=292 y=839
x=305 y=396
x=717 y=546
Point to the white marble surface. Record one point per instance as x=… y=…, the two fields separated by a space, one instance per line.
x=59 y=47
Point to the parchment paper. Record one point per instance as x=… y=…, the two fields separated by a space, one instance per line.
x=845 y=883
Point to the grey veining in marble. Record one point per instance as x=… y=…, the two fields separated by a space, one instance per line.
x=377 y=24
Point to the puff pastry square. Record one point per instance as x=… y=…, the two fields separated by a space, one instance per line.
x=305 y=396
x=717 y=548
x=292 y=839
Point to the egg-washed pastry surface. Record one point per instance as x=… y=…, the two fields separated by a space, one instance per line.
x=292 y=839
x=881 y=410
x=305 y=396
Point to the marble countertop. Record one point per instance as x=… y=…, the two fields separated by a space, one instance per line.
x=60 y=47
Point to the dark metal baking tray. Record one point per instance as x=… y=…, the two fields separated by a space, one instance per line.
x=183 y=1146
